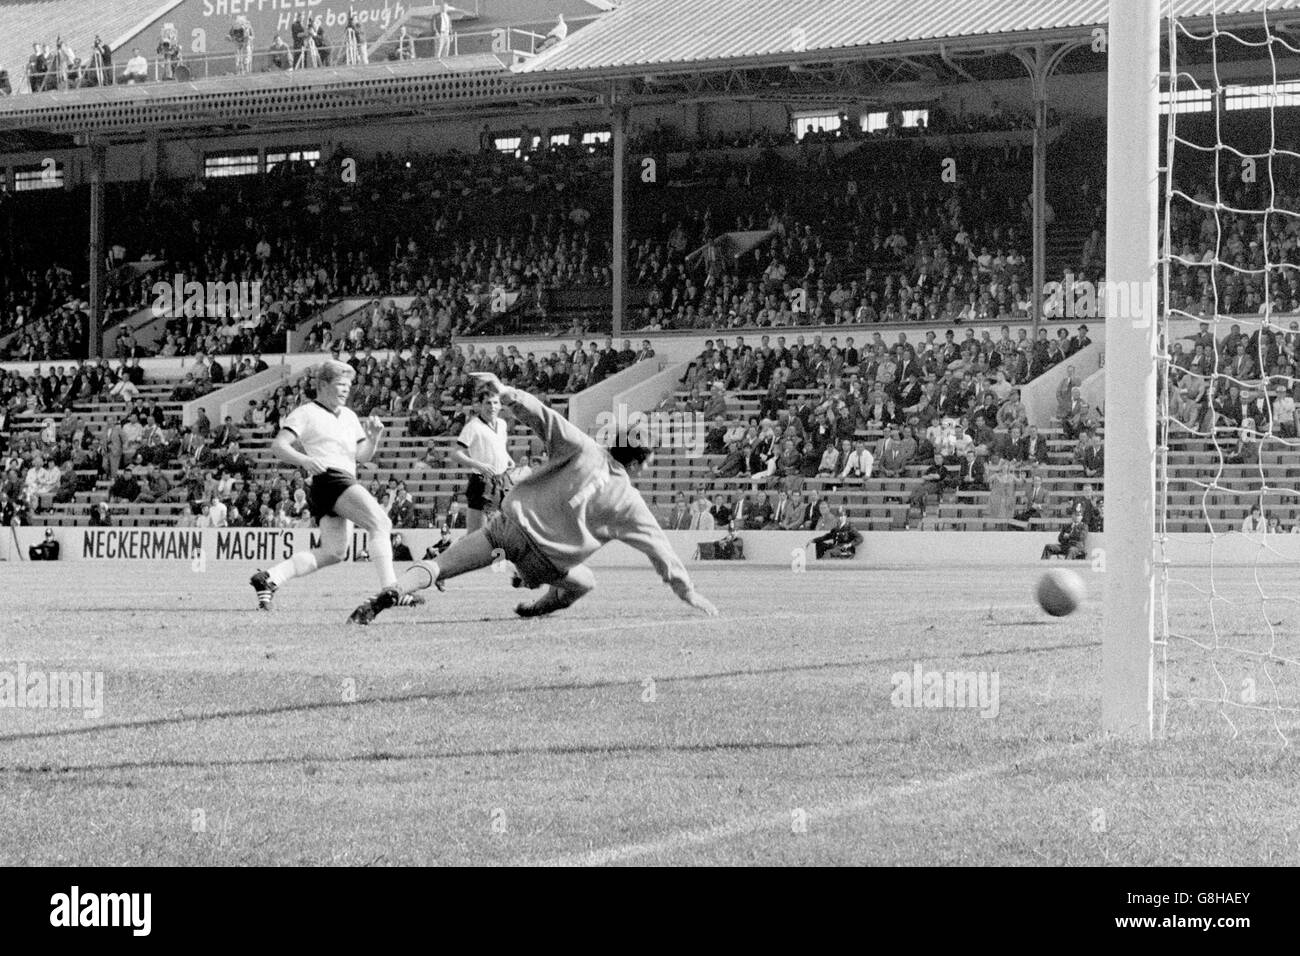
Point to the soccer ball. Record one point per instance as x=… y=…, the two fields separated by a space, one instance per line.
x=1060 y=592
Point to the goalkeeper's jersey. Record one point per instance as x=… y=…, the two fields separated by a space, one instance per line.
x=581 y=499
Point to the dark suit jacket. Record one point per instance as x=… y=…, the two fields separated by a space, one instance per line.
x=1038 y=453
x=971 y=474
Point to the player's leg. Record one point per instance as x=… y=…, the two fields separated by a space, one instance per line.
x=359 y=506
x=335 y=533
x=470 y=553
x=578 y=582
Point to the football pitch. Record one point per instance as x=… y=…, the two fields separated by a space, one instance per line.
x=626 y=730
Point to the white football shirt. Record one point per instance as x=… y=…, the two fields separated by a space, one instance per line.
x=330 y=438
x=487 y=443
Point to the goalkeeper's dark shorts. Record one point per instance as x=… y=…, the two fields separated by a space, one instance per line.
x=532 y=567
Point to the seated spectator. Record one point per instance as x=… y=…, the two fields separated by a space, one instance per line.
x=1090 y=456
x=125 y=487
x=100 y=517
x=841 y=541
x=1079 y=417
x=933 y=482
x=893 y=453
x=1071 y=542
x=155 y=487
x=137 y=68
x=1246 y=451
x=47 y=550
x=790 y=512
x=442 y=544
x=970 y=473
x=1254 y=522
x=759 y=516
x=1035 y=502
x=701 y=518
x=42 y=481
x=400 y=551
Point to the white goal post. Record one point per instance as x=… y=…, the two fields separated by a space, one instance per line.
x=1132 y=227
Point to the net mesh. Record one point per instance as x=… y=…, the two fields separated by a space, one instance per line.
x=1228 y=577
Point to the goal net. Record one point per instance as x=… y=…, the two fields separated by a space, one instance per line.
x=1226 y=568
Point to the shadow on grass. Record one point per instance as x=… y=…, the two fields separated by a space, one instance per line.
x=460 y=693
x=554 y=750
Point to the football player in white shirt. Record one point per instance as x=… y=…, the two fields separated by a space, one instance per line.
x=481 y=446
x=327 y=440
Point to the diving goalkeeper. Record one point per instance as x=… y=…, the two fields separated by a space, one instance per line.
x=554 y=519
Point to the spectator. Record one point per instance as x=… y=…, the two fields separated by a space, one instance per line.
x=1035 y=502
x=1071 y=542
x=932 y=482
x=47 y=550
x=281 y=55
x=400 y=551
x=1254 y=522
x=841 y=541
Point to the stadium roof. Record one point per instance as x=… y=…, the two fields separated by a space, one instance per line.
x=641 y=35
x=24 y=22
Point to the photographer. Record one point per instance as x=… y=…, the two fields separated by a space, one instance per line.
x=241 y=35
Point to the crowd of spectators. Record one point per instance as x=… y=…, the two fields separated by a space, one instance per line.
x=475 y=239
x=147 y=456
x=845 y=415
x=58 y=67
x=873 y=237
x=842 y=128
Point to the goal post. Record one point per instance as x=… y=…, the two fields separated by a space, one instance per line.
x=1132 y=224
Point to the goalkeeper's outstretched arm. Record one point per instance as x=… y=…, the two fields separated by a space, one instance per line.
x=639 y=529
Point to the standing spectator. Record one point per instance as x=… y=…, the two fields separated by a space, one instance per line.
x=169 y=51
x=36 y=70
x=405 y=45
x=241 y=35
x=444 y=31
x=281 y=59
x=1002 y=491
x=102 y=62
x=320 y=43
x=354 y=39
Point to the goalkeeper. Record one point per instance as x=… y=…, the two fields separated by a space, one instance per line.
x=553 y=520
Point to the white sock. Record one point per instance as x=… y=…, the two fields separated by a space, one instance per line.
x=302 y=563
x=381 y=555
x=418 y=577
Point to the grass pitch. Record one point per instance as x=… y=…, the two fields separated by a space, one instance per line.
x=624 y=730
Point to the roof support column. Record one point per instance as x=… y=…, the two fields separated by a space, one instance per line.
x=1041 y=62
x=95 y=334
x=618 y=251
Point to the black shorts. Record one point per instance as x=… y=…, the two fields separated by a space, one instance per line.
x=483 y=494
x=326 y=489
x=531 y=566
